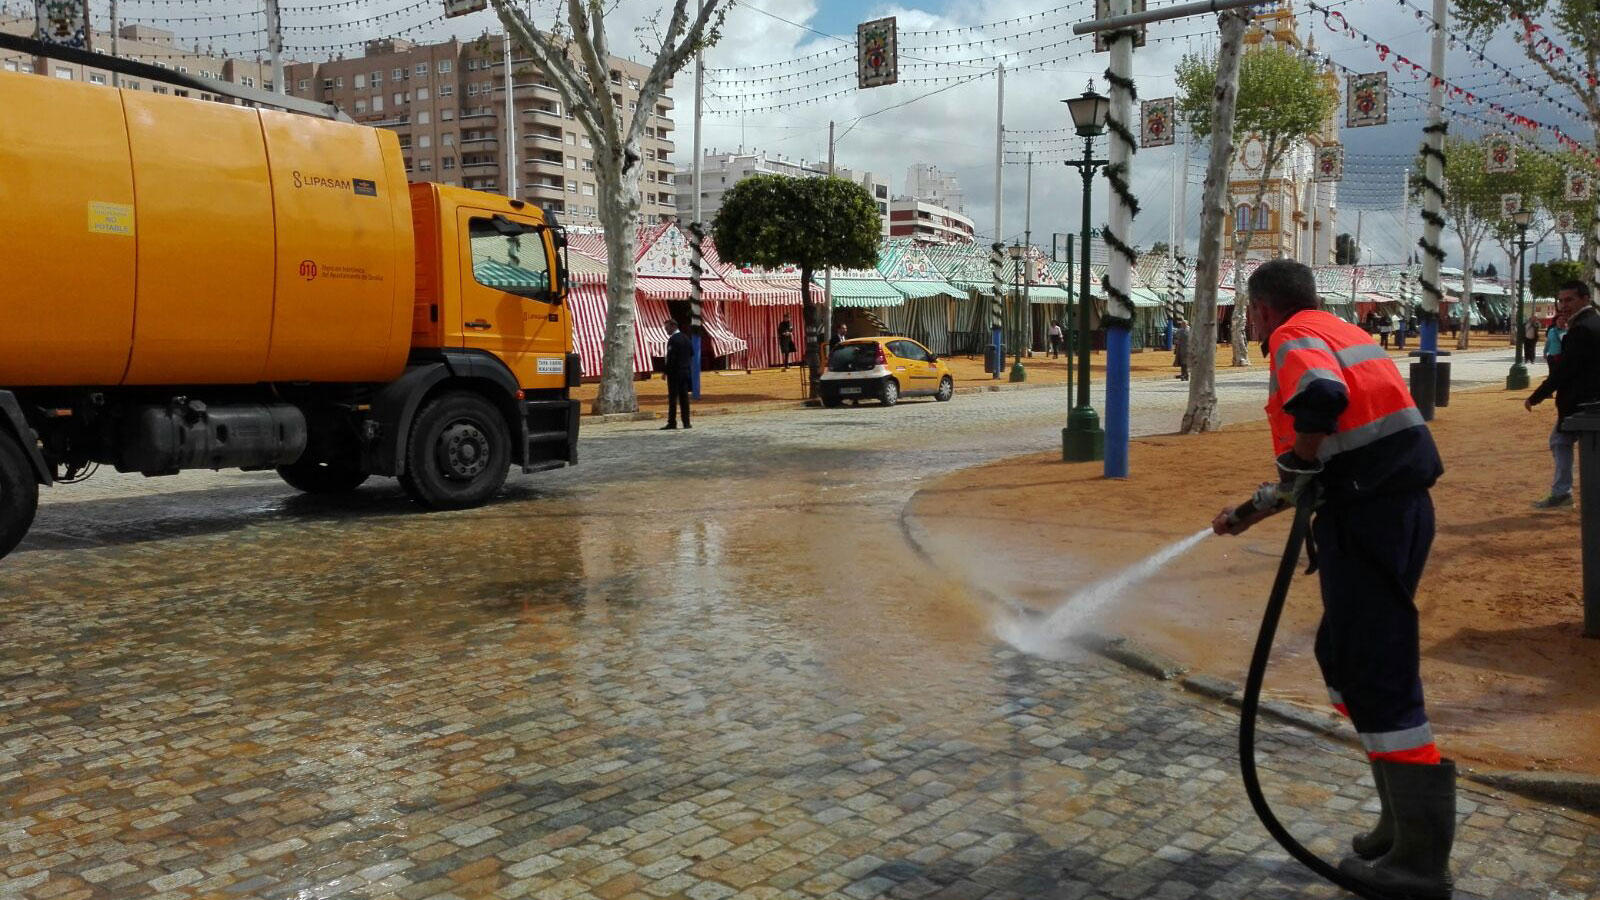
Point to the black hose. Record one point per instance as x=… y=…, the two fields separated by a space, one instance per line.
x=1252 y=701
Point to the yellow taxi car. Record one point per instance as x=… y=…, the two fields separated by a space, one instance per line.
x=884 y=368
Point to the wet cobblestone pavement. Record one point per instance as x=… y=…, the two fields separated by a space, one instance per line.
x=704 y=664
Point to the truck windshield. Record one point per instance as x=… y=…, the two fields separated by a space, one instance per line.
x=513 y=263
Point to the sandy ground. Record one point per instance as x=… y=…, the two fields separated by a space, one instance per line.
x=728 y=391
x=1511 y=682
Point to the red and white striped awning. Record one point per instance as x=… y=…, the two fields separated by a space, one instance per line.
x=649 y=333
x=723 y=341
x=588 y=303
x=658 y=287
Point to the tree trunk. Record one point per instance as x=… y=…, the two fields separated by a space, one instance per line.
x=1241 y=297
x=1469 y=258
x=813 y=314
x=619 y=216
x=1201 y=413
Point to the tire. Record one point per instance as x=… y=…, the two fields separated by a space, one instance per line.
x=832 y=401
x=19 y=493
x=313 y=477
x=890 y=394
x=458 y=453
x=947 y=389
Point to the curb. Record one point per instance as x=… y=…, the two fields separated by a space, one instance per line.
x=617 y=417
x=1581 y=792
x=1568 y=789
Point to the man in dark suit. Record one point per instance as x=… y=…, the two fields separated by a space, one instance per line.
x=1574 y=380
x=680 y=359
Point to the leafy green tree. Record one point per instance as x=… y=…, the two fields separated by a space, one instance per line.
x=1283 y=99
x=1544 y=278
x=1576 y=24
x=1472 y=203
x=811 y=223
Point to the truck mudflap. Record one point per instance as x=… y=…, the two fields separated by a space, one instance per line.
x=11 y=418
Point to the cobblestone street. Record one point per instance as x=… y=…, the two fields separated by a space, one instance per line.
x=700 y=664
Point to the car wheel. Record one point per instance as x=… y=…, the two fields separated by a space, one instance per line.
x=947 y=389
x=459 y=453
x=891 y=392
x=832 y=401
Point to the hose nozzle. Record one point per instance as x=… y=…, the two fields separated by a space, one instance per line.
x=1269 y=496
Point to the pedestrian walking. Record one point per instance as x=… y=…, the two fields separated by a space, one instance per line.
x=786 y=340
x=1180 y=350
x=1552 y=341
x=840 y=335
x=1343 y=423
x=680 y=359
x=1574 y=379
x=1400 y=325
x=1530 y=338
x=1056 y=338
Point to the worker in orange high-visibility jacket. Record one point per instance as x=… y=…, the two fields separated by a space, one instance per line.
x=1341 y=416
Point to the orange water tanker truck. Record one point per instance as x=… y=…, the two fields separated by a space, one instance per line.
x=197 y=285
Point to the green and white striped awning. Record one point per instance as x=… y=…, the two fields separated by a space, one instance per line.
x=865 y=292
x=508 y=277
x=917 y=290
x=1047 y=293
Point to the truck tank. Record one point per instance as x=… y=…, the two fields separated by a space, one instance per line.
x=158 y=240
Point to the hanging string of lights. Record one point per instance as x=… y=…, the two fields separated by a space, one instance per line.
x=1339 y=24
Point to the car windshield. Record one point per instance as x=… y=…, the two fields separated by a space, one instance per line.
x=853 y=358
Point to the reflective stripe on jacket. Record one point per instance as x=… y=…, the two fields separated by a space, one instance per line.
x=1330 y=377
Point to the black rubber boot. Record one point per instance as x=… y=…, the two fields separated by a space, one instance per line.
x=1377 y=842
x=1423 y=802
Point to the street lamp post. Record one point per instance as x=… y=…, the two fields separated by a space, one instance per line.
x=1083 y=440
x=1018 y=257
x=1518 y=378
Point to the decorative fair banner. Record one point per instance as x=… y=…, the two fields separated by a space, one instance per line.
x=1367 y=100
x=1501 y=158
x=1566 y=222
x=1510 y=205
x=877 y=53
x=1102 y=10
x=1580 y=187
x=1158 y=118
x=1330 y=163
x=63 y=22
x=453 y=8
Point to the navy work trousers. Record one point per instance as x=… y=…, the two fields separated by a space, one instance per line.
x=1370 y=554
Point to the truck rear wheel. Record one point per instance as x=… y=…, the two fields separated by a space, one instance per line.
x=19 y=493
x=458 y=454
x=315 y=477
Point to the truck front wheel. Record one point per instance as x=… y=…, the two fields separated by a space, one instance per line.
x=315 y=477
x=19 y=493
x=458 y=454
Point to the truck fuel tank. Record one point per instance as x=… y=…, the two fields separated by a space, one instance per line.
x=191 y=434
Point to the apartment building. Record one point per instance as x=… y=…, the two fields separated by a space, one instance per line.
x=446 y=101
x=720 y=171
x=928 y=222
x=143 y=43
x=928 y=182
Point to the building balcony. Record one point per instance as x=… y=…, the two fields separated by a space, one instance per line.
x=481 y=144
x=543 y=138
x=547 y=191
x=545 y=163
x=486 y=114
x=488 y=165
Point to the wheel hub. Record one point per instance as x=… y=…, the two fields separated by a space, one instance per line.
x=463 y=451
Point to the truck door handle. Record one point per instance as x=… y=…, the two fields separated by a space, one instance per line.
x=479 y=323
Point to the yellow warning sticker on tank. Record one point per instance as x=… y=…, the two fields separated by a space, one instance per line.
x=110 y=218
